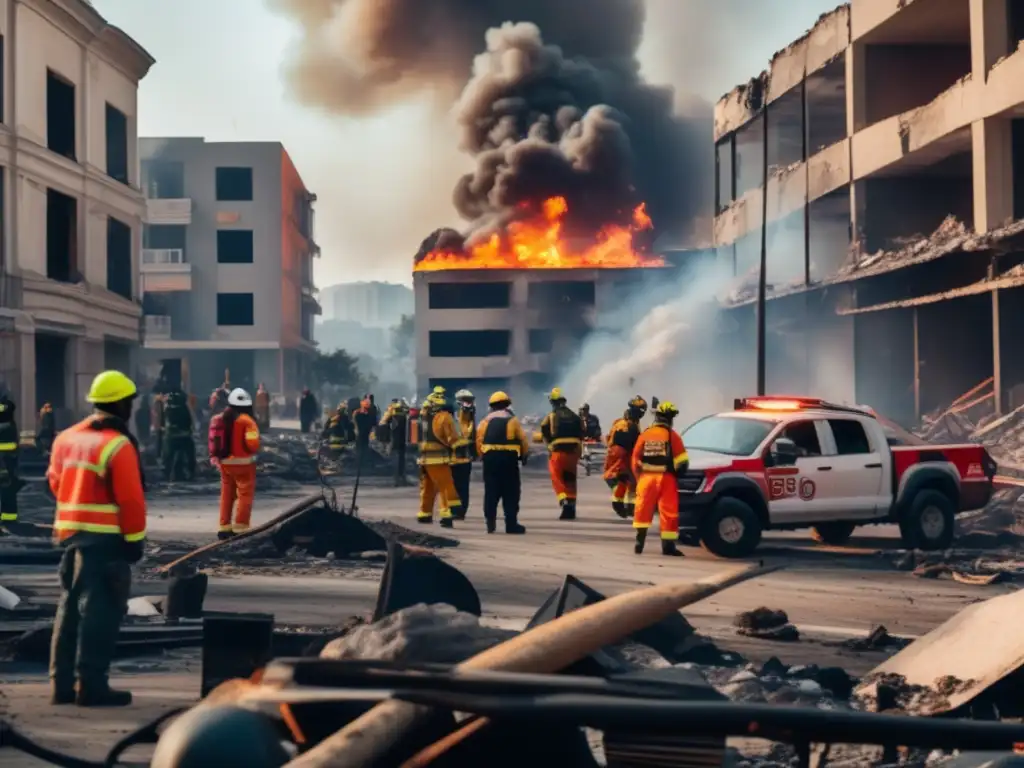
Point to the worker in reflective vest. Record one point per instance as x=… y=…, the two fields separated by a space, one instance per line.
x=562 y=431
x=659 y=458
x=465 y=449
x=502 y=445
x=238 y=467
x=95 y=474
x=618 y=472
x=10 y=483
x=439 y=433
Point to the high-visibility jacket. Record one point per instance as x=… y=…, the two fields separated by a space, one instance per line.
x=659 y=450
x=396 y=418
x=624 y=434
x=501 y=431
x=438 y=435
x=339 y=431
x=244 y=442
x=9 y=439
x=95 y=476
x=465 y=446
x=562 y=430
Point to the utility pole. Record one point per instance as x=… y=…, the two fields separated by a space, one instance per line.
x=762 y=278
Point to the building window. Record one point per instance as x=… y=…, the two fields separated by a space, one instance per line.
x=163 y=179
x=469 y=295
x=119 y=258
x=117 y=144
x=235 y=309
x=561 y=295
x=234 y=184
x=470 y=343
x=542 y=340
x=234 y=246
x=60 y=115
x=61 y=237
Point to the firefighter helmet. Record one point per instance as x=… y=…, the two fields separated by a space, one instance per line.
x=556 y=396
x=666 y=410
x=499 y=397
x=239 y=398
x=464 y=395
x=111 y=387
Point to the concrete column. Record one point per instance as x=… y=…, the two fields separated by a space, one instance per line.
x=856 y=89
x=26 y=397
x=83 y=361
x=993 y=173
x=989 y=41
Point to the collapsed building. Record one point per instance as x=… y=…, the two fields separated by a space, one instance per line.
x=885 y=151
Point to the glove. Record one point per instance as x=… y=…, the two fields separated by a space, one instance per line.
x=132 y=551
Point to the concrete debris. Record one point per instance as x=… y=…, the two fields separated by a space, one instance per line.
x=8 y=600
x=967 y=566
x=878 y=639
x=776 y=683
x=766 y=624
x=888 y=692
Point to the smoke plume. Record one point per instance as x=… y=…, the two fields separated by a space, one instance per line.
x=555 y=104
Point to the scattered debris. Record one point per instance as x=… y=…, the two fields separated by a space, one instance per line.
x=8 y=600
x=766 y=624
x=878 y=639
x=142 y=606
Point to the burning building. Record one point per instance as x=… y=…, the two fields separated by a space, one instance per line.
x=885 y=150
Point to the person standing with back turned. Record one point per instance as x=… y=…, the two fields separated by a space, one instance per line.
x=238 y=465
x=562 y=431
x=96 y=475
x=659 y=457
x=503 y=447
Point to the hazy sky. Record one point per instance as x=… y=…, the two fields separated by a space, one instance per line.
x=385 y=182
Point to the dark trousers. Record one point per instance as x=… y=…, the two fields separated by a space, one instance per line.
x=461 y=474
x=180 y=458
x=95 y=584
x=398 y=453
x=9 y=502
x=501 y=483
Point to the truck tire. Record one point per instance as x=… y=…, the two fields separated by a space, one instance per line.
x=835 y=534
x=732 y=529
x=929 y=522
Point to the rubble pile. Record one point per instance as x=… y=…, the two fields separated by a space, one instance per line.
x=887 y=692
x=966 y=566
x=766 y=624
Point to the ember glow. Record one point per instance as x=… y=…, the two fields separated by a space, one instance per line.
x=539 y=243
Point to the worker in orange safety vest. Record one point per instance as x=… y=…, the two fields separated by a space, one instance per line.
x=562 y=432
x=618 y=473
x=95 y=474
x=439 y=432
x=238 y=464
x=659 y=457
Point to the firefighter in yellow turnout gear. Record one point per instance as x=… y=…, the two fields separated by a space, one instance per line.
x=465 y=449
x=439 y=434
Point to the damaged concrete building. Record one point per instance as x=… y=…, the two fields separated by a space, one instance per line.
x=885 y=150
x=70 y=200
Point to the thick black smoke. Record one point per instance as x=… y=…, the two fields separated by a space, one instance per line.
x=555 y=105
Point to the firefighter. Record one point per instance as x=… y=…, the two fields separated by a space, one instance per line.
x=396 y=420
x=10 y=483
x=95 y=474
x=338 y=432
x=365 y=420
x=591 y=424
x=47 y=430
x=438 y=434
x=465 y=449
x=562 y=432
x=261 y=407
x=179 y=448
x=503 y=446
x=659 y=457
x=617 y=470
x=238 y=466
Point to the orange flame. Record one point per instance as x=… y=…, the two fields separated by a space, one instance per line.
x=539 y=244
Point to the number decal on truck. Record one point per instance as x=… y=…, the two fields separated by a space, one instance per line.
x=807 y=489
x=781 y=487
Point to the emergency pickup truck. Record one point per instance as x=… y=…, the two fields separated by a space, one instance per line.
x=782 y=463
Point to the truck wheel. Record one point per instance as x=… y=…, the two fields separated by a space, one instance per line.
x=732 y=529
x=833 y=533
x=930 y=522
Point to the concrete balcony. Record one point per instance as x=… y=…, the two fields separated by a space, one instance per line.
x=175 y=210
x=165 y=270
x=156 y=327
x=310 y=296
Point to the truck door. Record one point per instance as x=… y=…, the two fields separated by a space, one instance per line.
x=797 y=494
x=856 y=468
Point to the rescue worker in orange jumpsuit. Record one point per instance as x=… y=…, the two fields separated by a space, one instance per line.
x=238 y=469
x=659 y=457
x=465 y=449
x=562 y=431
x=439 y=432
x=617 y=470
x=96 y=475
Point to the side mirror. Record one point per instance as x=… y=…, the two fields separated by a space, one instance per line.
x=784 y=453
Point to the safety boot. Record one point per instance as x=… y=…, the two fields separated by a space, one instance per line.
x=425 y=520
x=224 y=535
x=641 y=537
x=619 y=507
x=460 y=515
x=104 y=696
x=59 y=696
x=568 y=510
x=492 y=525
x=447 y=522
x=515 y=529
x=670 y=549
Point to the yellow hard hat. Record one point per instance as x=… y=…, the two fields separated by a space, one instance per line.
x=439 y=390
x=555 y=395
x=499 y=397
x=666 y=408
x=111 y=387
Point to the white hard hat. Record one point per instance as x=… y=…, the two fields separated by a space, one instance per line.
x=464 y=394
x=239 y=397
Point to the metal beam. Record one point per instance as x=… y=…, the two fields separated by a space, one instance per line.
x=917 y=368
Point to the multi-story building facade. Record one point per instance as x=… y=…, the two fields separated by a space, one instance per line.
x=227 y=264
x=885 y=150
x=70 y=199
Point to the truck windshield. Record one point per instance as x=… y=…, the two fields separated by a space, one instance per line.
x=727 y=434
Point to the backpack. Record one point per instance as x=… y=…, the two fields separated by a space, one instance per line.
x=218 y=441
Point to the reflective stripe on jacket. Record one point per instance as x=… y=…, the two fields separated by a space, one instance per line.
x=465 y=446
x=501 y=431
x=438 y=434
x=659 y=450
x=94 y=474
x=624 y=434
x=244 y=442
x=562 y=430
x=9 y=437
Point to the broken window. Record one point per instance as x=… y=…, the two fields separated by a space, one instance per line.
x=749 y=156
x=850 y=437
x=234 y=184
x=164 y=179
x=119 y=258
x=235 y=309
x=786 y=129
x=805 y=435
x=60 y=115
x=61 y=237
x=234 y=246
x=470 y=343
x=542 y=340
x=826 y=106
x=903 y=77
x=469 y=295
x=725 y=185
x=558 y=294
x=117 y=144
